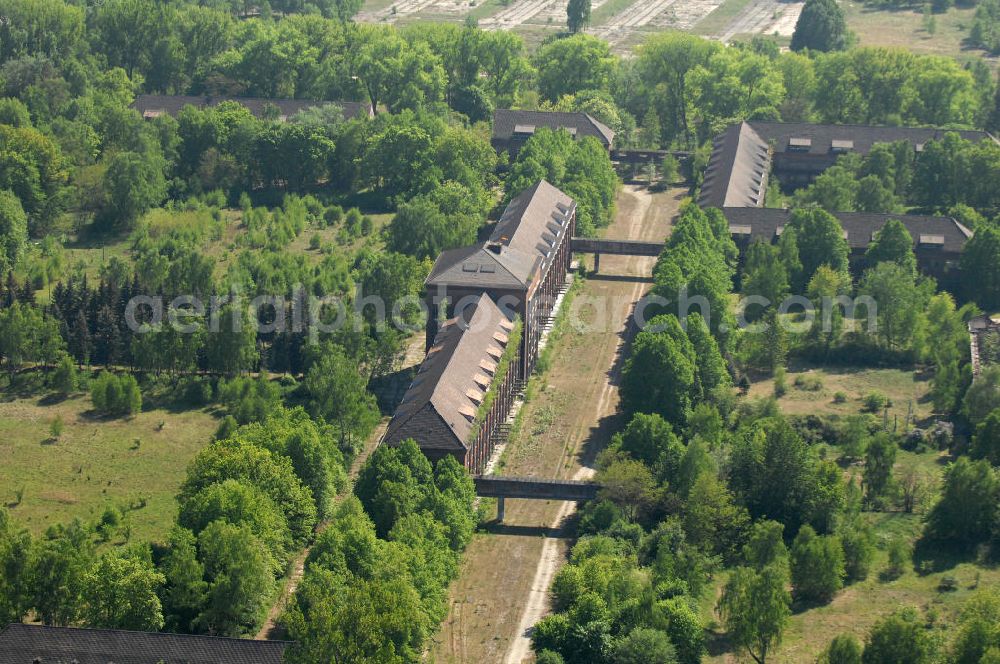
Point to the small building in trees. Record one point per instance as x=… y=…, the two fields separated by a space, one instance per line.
x=23 y=644
x=152 y=106
x=464 y=388
x=937 y=241
x=512 y=129
x=522 y=267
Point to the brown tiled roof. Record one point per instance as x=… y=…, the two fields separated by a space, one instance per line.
x=766 y=223
x=153 y=105
x=733 y=177
x=505 y=122
x=440 y=406
x=532 y=225
x=738 y=169
x=25 y=644
x=861 y=137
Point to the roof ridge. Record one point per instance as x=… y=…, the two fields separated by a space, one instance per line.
x=97 y=630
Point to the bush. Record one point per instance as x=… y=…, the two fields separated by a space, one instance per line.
x=116 y=395
x=840 y=397
x=315 y=241
x=64 y=377
x=809 y=383
x=56 y=427
x=780 y=385
x=817 y=565
x=899 y=557
x=948 y=584
x=876 y=402
x=333 y=215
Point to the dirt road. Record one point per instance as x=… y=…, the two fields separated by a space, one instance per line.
x=502 y=589
x=271 y=629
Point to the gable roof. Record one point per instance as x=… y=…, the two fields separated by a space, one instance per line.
x=24 y=644
x=856 y=138
x=532 y=225
x=507 y=122
x=942 y=233
x=738 y=169
x=154 y=105
x=441 y=404
x=740 y=163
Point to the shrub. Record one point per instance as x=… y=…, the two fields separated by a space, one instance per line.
x=840 y=397
x=56 y=427
x=116 y=395
x=315 y=241
x=780 y=386
x=333 y=215
x=809 y=383
x=899 y=557
x=876 y=402
x=64 y=377
x=948 y=584
x=817 y=565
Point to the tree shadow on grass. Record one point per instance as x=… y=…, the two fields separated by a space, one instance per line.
x=932 y=557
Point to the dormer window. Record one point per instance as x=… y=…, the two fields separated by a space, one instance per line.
x=842 y=146
x=799 y=144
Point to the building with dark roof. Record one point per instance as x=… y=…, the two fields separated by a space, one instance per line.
x=937 y=241
x=521 y=267
x=512 y=129
x=151 y=106
x=37 y=644
x=795 y=153
x=748 y=157
x=446 y=409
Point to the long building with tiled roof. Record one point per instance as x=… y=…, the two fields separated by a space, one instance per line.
x=521 y=266
x=441 y=408
x=38 y=644
x=151 y=106
x=475 y=360
x=512 y=129
x=748 y=157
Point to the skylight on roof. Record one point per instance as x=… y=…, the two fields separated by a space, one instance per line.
x=470 y=267
x=799 y=144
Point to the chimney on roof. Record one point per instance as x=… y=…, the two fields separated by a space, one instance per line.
x=495 y=247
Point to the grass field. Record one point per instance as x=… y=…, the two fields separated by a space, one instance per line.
x=903 y=27
x=720 y=17
x=856 y=608
x=96 y=462
x=902 y=387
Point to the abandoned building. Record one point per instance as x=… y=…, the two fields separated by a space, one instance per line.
x=522 y=266
x=748 y=154
x=937 y=241
x=463 y=389
x=152 y=106
x=984 y=333
x=749 y=157
x=495 y=299
x=512 y=129
x=27 y=644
